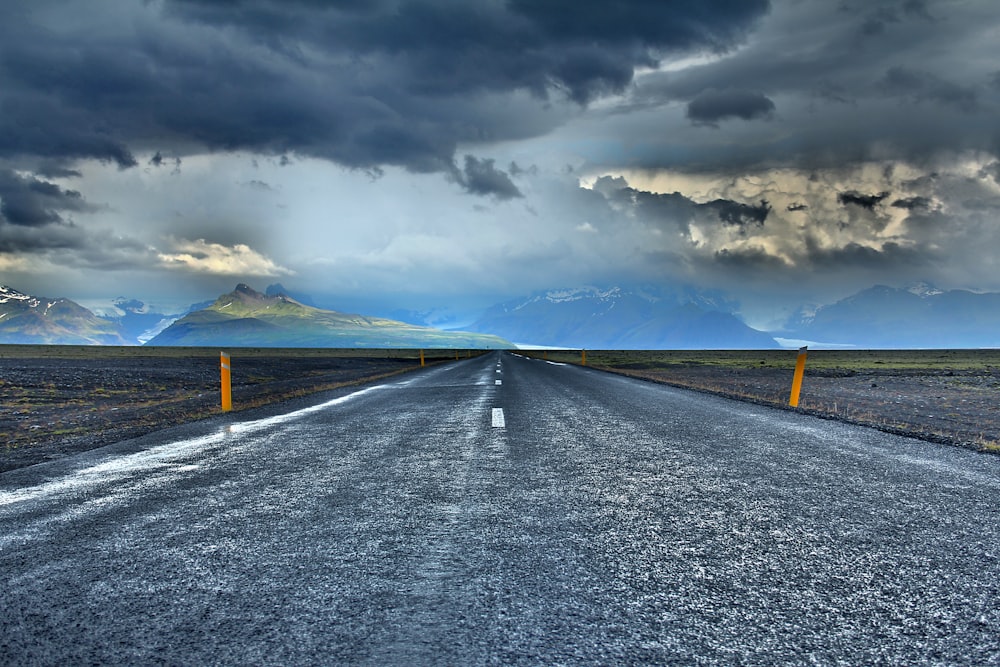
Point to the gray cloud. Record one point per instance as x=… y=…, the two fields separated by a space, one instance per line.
x=845 y=97
x=918 y=86
x=713 y=106
x=363 y=84
x=678 y=208
x=912 y=203
x=739 y=214
x=858 y=199
x=481 y=177
x=30 y=202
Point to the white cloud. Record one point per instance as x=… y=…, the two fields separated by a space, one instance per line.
x=200 y=256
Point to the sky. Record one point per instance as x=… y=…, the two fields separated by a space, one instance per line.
x=444 y=155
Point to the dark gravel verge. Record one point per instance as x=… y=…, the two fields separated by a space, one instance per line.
x=955 y=407
x=51 y=407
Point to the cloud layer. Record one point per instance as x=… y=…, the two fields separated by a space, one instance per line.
x=785 y=150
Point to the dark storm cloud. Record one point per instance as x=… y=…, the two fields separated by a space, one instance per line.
x=738 y=214
x=30 y=202
x=364 y=84
x=858 y=199
x=712 y=106
x=919 y=89
x=481 y=177
x=919 y=86
x=856 y=255
x=676 y=207
x=911 y=203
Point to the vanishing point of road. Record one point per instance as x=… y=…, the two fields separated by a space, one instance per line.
x=502 y=510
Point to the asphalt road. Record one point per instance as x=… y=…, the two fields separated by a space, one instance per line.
x=501 y=510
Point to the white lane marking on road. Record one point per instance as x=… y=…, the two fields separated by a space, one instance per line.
x=555 y=363
x=160 y=457
x=498 y=370
x=498 y=420
x=499 y=382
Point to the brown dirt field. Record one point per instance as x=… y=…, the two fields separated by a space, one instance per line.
x=55 y=402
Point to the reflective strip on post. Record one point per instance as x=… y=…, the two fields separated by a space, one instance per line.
x=227 y=388
x=800 y=368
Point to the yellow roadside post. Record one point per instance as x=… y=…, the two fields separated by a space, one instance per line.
x=227 y=387
x=800 y=368
x=421 y=357
x=583 y=357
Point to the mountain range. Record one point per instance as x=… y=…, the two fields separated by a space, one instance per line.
x=248 y=318
x=623 y=318
x=918 y=316
x=30 y=320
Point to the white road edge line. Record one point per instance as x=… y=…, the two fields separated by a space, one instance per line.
x=498 y=420
x=119 y=466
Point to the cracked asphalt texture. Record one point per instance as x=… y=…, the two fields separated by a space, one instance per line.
x=610 y=521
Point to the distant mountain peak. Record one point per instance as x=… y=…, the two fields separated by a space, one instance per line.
x=247 y=317
x=31 y=320
x=924 y=289
x=622 y=316
x=10 y=294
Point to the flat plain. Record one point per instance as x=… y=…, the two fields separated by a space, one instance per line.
x=57 y=400
x=946 y=396
x=61 y=399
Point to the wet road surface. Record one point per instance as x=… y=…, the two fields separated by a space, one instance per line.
x=501 y=510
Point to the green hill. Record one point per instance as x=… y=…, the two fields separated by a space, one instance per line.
x=247 y=318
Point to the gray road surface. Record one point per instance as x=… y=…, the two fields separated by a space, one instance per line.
x=501 y=510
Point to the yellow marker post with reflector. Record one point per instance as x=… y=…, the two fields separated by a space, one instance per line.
x=227 y=386
x=800 y=369
x=583 y=357
x=421 y=357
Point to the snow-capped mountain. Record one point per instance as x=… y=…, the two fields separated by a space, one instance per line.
x=26 y=319
x=917 y=316
x=618 y=317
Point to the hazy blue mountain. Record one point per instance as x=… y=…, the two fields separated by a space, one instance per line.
x=248 y=318
x=919 y=316
x=26 y=319
x=136 y=321
x=623 y=318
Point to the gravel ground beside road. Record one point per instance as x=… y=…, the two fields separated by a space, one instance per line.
x=51 y=407
x=54 y=407
x=959 y=407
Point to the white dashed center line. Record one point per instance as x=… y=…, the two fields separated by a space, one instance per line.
x=498 y=421
x=499 y=382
